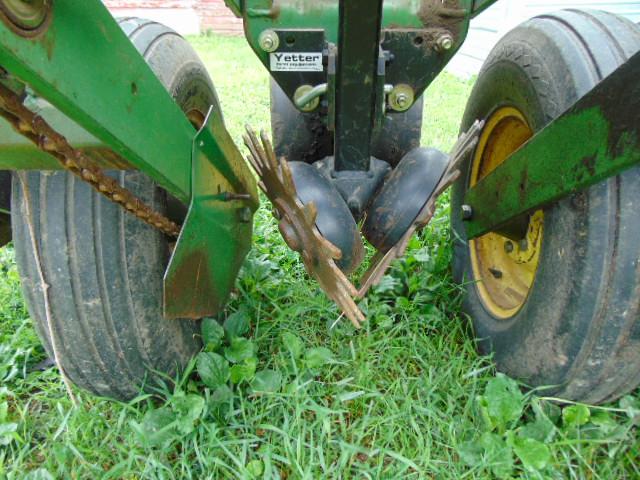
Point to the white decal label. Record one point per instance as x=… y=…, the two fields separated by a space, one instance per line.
x=296 y=62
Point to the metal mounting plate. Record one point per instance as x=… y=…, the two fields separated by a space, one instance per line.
x=217 y=233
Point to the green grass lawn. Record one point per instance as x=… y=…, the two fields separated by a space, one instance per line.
x=406 y=397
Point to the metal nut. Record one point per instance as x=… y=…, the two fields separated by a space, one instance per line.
x=444 y=42
x=401 y=98
x=269 y=41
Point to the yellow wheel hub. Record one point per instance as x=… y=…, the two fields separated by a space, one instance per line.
x=504 y=269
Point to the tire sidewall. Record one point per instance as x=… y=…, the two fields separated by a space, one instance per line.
x=104 y=267
x=540 y=343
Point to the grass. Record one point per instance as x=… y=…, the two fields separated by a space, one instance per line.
x=408 y=397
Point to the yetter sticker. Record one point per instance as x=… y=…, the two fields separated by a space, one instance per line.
x=296 y=62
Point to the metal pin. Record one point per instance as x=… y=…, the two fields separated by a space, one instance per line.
x=229 y=196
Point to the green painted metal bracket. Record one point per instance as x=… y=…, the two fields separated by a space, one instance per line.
x=85 y=66
x=216 y=234
x=263 y=15
x=595 y=139
x=87 y=69
x=413 y=18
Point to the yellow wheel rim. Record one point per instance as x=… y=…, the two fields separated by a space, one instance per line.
x=503 y=269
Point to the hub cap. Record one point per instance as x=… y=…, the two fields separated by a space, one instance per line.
x=504 y=269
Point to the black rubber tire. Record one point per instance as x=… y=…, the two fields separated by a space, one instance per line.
x=579 y=329
x=303 y=137
x=105 y=267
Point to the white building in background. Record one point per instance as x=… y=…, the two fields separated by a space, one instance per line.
x=504 y=15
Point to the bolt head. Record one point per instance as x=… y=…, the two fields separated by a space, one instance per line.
x=401 y=98
x=269 y=41
x=467 y=212
x=445 y=42
x=508 y=246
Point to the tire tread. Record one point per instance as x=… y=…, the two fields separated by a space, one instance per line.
x=105 y=267
x=589 y=45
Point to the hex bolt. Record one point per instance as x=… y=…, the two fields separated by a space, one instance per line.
x=524 y=245
x=402 y=100
x=269 y=41
x=267 y=44
x=230 y=196
x=444 y=42
x=508 y=246
x=467 y=212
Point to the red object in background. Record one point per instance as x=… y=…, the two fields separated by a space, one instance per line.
x=213 y=15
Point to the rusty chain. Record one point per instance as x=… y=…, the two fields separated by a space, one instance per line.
x=32 y=126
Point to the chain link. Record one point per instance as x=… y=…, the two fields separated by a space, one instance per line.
x=37 y=130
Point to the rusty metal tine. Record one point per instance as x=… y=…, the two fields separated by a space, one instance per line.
x=257 y=149
x=256 y=160
x=271 y=154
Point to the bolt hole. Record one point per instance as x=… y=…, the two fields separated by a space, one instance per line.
x=418 y=41
x=291 y=40
x=497 y=274
x=134 y=88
